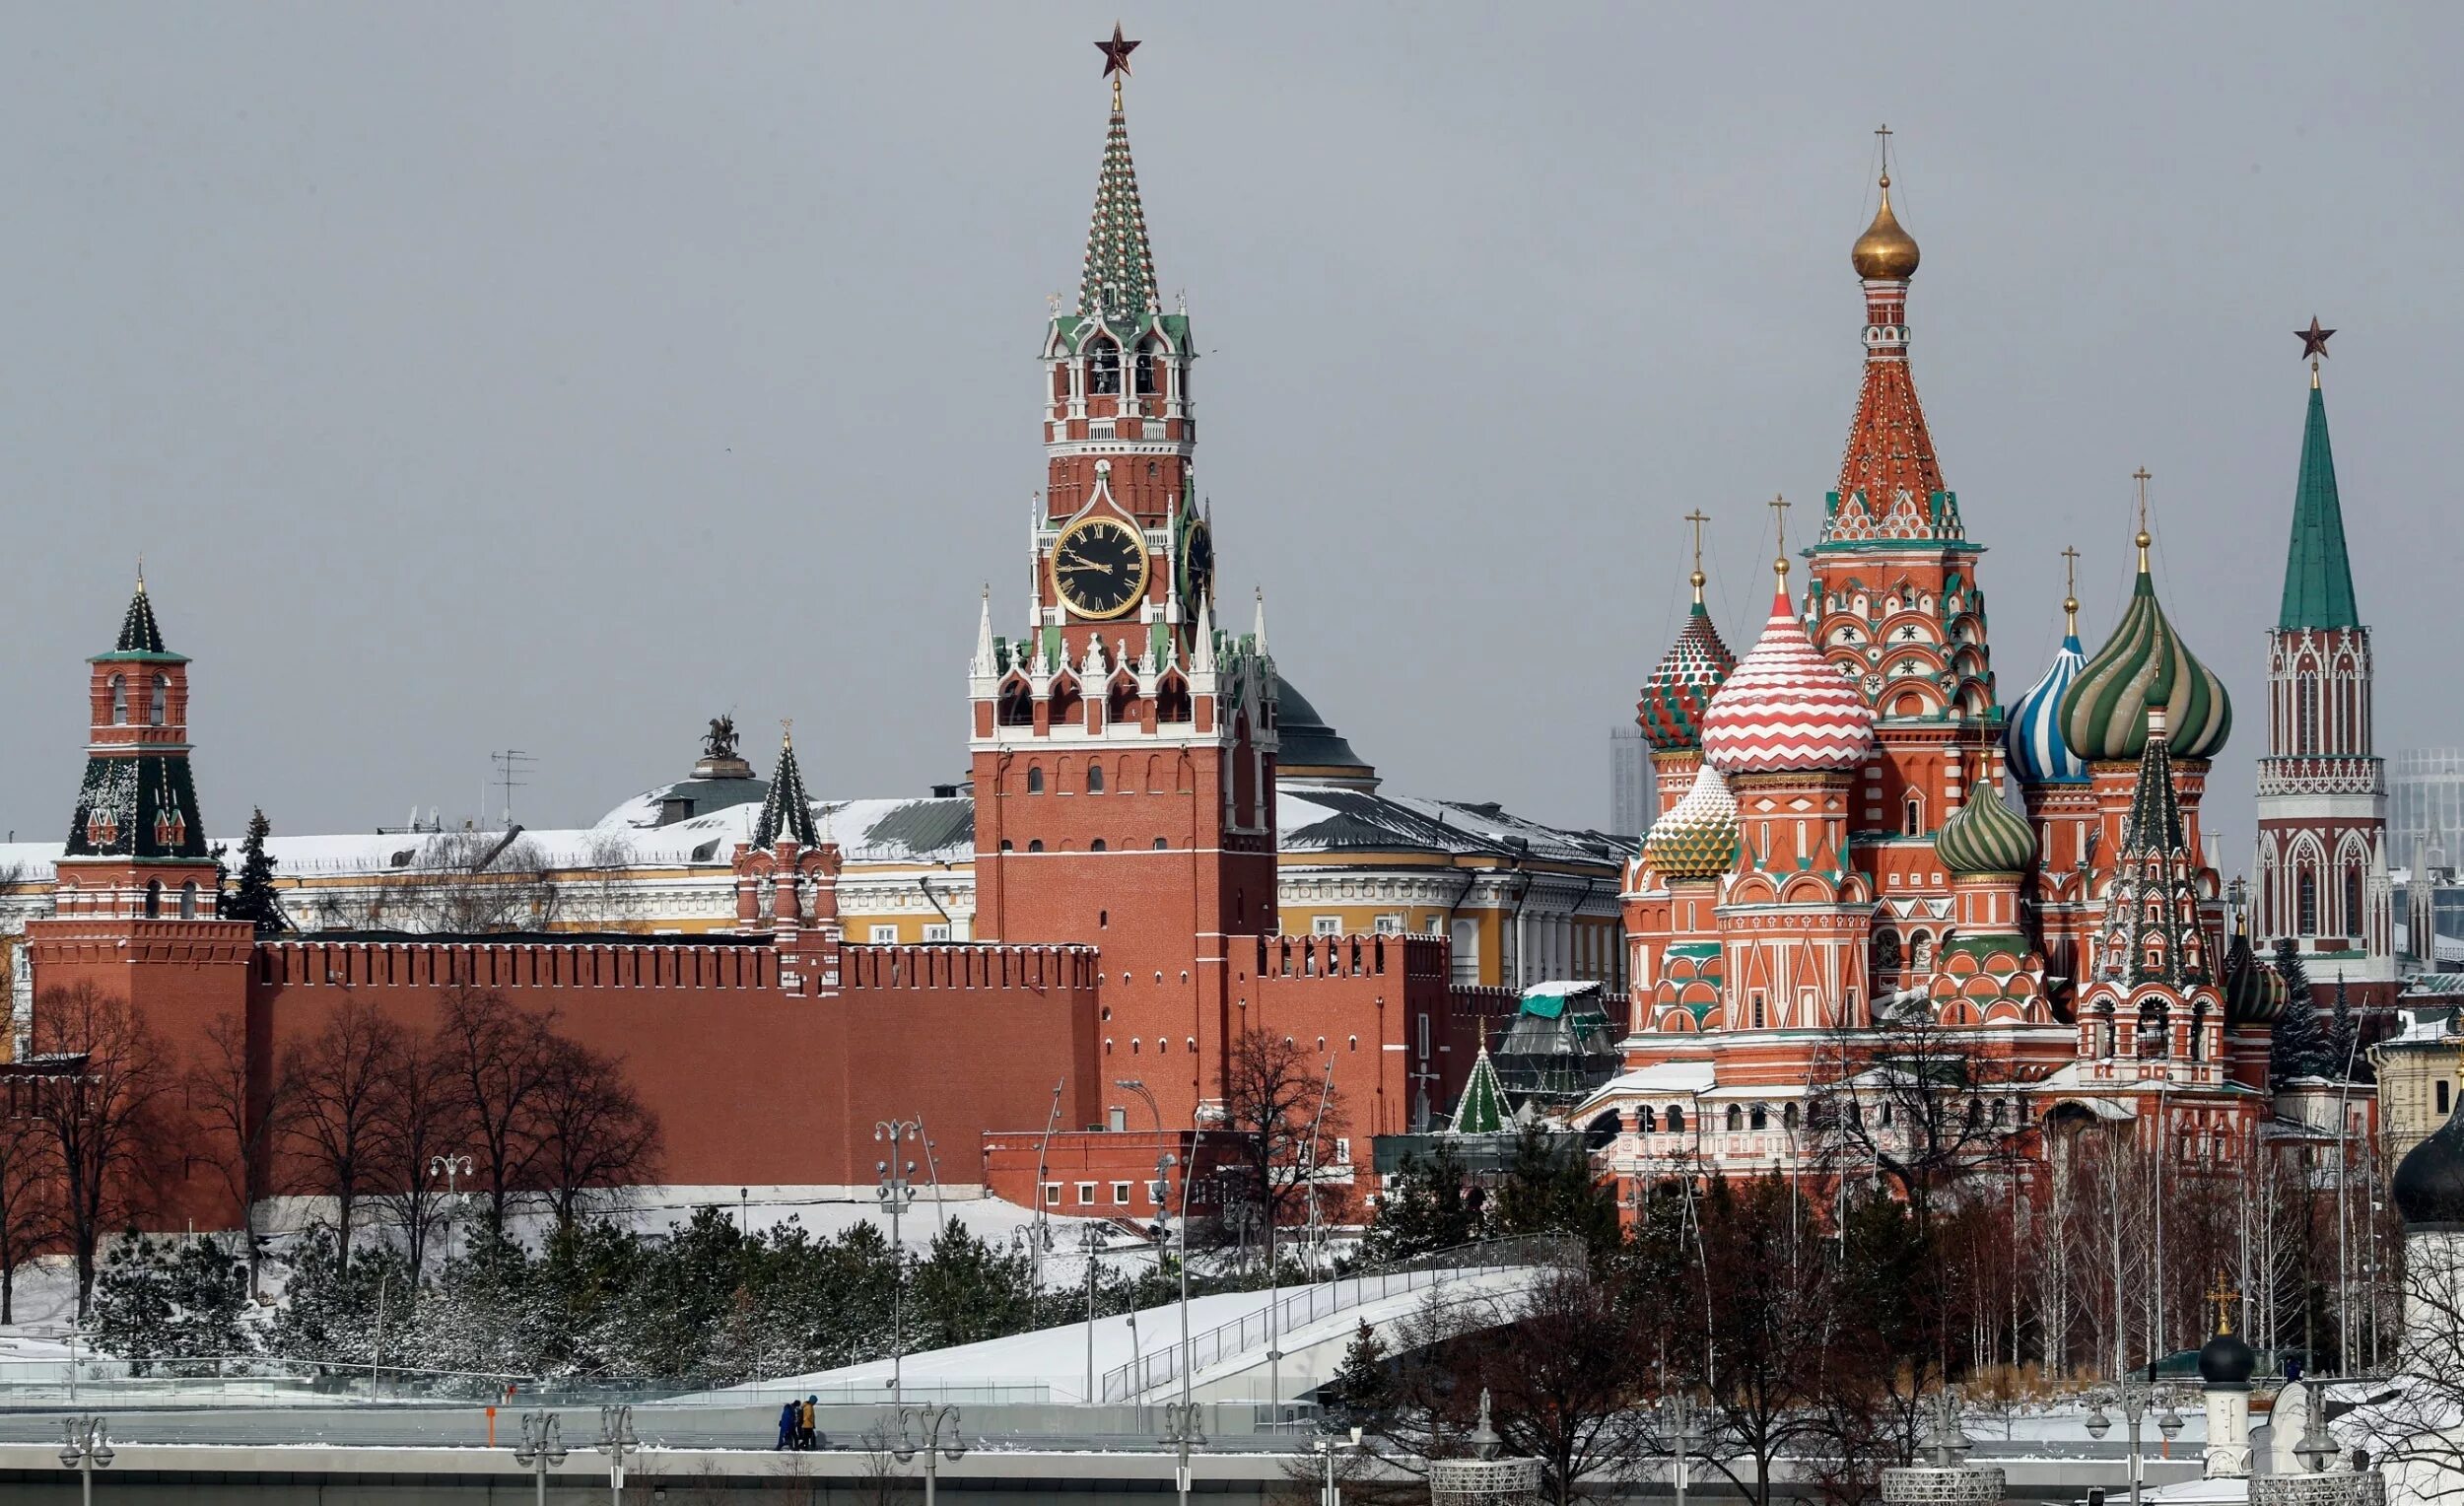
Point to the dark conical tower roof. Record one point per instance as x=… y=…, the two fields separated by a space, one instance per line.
x=786 y=812
x=141 y=637
x=1117 y=283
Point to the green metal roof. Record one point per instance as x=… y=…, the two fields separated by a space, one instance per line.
x=2318 y=573
x=1482 y=1107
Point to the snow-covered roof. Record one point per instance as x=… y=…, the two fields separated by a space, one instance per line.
x=1328 y=818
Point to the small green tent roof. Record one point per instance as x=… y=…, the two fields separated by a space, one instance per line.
x=1482 y=1107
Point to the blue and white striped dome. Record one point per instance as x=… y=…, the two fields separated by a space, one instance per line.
x=2038 y=755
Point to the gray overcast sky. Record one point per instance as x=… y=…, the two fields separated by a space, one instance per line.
x=557 y=376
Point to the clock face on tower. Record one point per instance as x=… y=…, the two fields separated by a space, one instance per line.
x=1098 y=568
x=1197 y=556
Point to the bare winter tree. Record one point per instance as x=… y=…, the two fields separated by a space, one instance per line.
x=503 y=1058
x=30 y=1200
x=346 y=1083
x=1923 y=1103
x=596 y=1137
x=1282 y=1116
x=104 y=1112
x=428 y=1120
x=244 y=1124
x=467 y=882
x=1767 y=1337
x=1566 y=1367
x=2412 y=1424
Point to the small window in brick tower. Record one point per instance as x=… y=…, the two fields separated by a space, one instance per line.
x=159 y=703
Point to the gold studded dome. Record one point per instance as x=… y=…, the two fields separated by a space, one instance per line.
x=1697 y=837
x=1885 y=252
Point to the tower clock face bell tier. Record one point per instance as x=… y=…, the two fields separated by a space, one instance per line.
x=1098 y=568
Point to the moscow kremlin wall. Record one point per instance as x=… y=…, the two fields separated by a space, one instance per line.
x=1132 y=935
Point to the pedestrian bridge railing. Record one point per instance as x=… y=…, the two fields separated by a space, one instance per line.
x=1306 y=1305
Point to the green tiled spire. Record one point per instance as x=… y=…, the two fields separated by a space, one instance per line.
x=2318 y=575
x=1119 y=283
x=789 y=811
x=1482 y=1107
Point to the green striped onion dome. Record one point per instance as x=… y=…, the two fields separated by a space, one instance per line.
x=1984 y=837
x=2254 y=992
x=1697 y=837
x=2104 y=713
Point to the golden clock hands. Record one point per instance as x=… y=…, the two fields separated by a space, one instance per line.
x=1085 y=565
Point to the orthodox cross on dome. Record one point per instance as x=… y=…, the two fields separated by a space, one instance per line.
x=1779 y=528
x=1117 y=52
x=1697 y=517
x=1881 y=133
x=2224 y=1297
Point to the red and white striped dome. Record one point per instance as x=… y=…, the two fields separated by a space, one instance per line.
x=1785 y=707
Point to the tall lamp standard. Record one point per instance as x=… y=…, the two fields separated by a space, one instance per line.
x=452 y=1168
x=1684 y=1437
x=920 y=1431
x=1182 y=1431
x=617 y=1439
x=85 y=1448
x=1092 y=1239
x=2134 y=1392
x=897 y=1194
x=1328 y=1443
x=542 y=1448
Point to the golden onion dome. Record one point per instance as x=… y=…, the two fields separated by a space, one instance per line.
x=1885 y=252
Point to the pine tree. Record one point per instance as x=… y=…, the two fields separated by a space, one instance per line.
x=2300 y=1047
x=2344 y=1040
x=255 y=899
x=1549 y=1189
x=1428 y=1206
x=1363 y=1387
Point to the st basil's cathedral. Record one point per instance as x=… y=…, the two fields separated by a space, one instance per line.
x=1865 y=862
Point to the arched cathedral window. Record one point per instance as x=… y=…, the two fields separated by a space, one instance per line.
x=2305 y=901
x=1104 y=367
x=2352 y=900
x=119 y=700
x=158 y=703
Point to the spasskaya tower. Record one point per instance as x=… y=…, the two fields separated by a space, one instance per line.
x=1123 y=745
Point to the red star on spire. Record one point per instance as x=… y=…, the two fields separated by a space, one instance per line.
x=2313 y=339
x=1115 y=52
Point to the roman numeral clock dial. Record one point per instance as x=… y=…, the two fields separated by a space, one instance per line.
x=1098 y=568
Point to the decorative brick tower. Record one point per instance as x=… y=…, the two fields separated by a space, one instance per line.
x=788 y=882
x=1892 y=601
x=2322 y=850
x=134 y=916
x=136 y=847
x=1124 y=746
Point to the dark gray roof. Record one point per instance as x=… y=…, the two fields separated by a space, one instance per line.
x=1302 y=738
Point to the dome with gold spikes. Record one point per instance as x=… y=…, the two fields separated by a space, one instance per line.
x=1697 y=837
x=1885 y=252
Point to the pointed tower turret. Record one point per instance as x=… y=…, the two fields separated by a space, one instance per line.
x=787 y=811
x=136 y=845
x=786 y=878
x=1680 y=690
x=2322 y=857
x=1894 y=601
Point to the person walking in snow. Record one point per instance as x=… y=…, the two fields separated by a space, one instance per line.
x=788 y=1425
x=804 y=1433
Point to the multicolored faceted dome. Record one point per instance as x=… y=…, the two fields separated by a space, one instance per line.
x=1784 y=706
x=2104 y=713
x=1680 y=688
x=1984 y=837
x=1697 y=837
x=2038 y=755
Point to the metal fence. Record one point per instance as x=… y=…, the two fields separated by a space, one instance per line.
x=1309 y=1304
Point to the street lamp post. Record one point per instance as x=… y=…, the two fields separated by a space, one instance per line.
x=617 y=1439
x=920 y=1431
x=542 y=1448
x=897 y=1194
x=1092 y=1239
x=1181 y=1432
x=1145 y=1094
x=1327 y=1445
x=2133 y=1395
x=1684 y=1436
x=454 y=1168
x=87 y=1447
